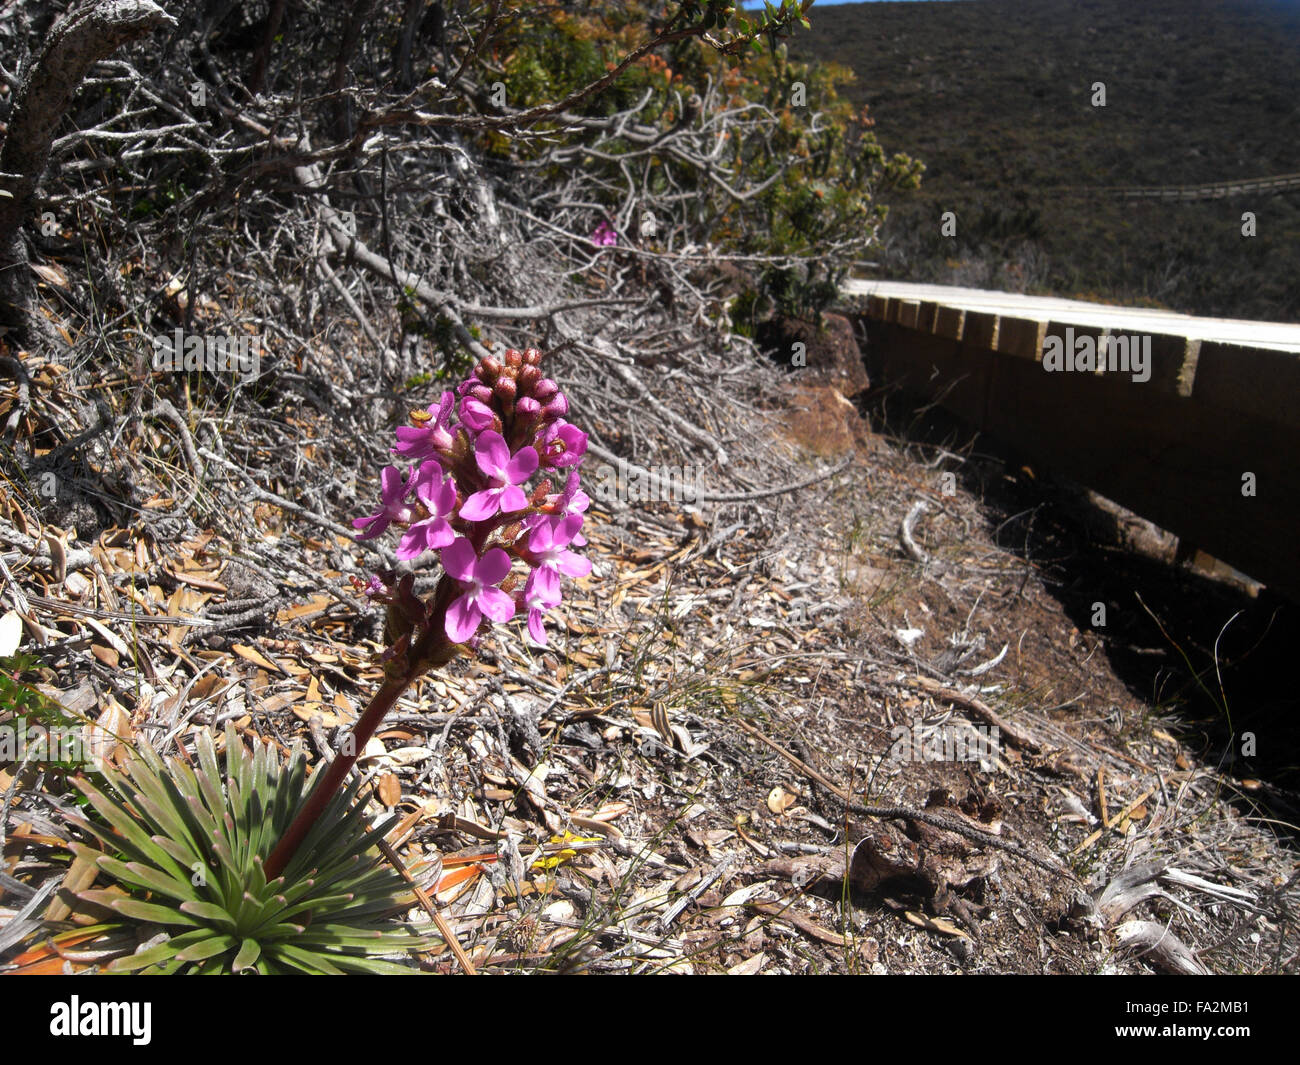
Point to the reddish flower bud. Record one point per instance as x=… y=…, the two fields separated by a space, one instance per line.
x=545 y=389
x=505 y=389
x=489 y=369
x=514 y=358
x=528 y=378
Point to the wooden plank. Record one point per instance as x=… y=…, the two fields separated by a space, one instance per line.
x=1283 y=336
x=1257 y=382
x=949 y=322
x=981 y=330
x=1173 y=363
x=1069 y=341
x=1022 y=337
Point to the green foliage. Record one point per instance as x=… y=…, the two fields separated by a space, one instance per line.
x=823 y=163
x=24 y=700
x=187 y=848
x=798 y=295
x=32 y=709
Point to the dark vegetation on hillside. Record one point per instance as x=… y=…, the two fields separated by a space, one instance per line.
x=995 y=98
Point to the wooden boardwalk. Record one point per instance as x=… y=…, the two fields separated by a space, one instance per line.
x=1194 y=423
x=1210 y=190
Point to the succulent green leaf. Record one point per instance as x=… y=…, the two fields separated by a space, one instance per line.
x=207 y=948
x=149 y=911
x=149 y=877
x=210 y=912
x=248 y=955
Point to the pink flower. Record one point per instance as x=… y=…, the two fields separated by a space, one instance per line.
x=432 y=437
x=604 y=235
x=480 y=599
x=438 y=494
x=538 y=598
x=561 y=444
x=548 y=553
x=476 y=415
x=392 y=496
x=506 y=472
x=573 y=500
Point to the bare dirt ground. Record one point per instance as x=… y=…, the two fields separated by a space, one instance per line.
x=696 y=776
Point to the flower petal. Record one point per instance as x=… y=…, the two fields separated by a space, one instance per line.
x=493 y=566
x=537 y=627
x=548 y=583
x=572 y=565
x=496 y=604
x=522 y=466
x=512 y=498
x=393 y=488
x=459 y=559
x=482 y=505
x=463 y=617
x=492 y=454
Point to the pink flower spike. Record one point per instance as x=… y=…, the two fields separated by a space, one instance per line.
x=438 y=494
x=507 y=473
x=480 y=599
x=393 y=507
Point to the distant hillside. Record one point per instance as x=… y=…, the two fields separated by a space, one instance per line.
x=994 y=97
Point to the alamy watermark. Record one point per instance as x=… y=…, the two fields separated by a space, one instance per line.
x=39 y=743
x=234 y=353
x=653 y=484
x=133 y=1020
x=1089 y=354
x=919 y=742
